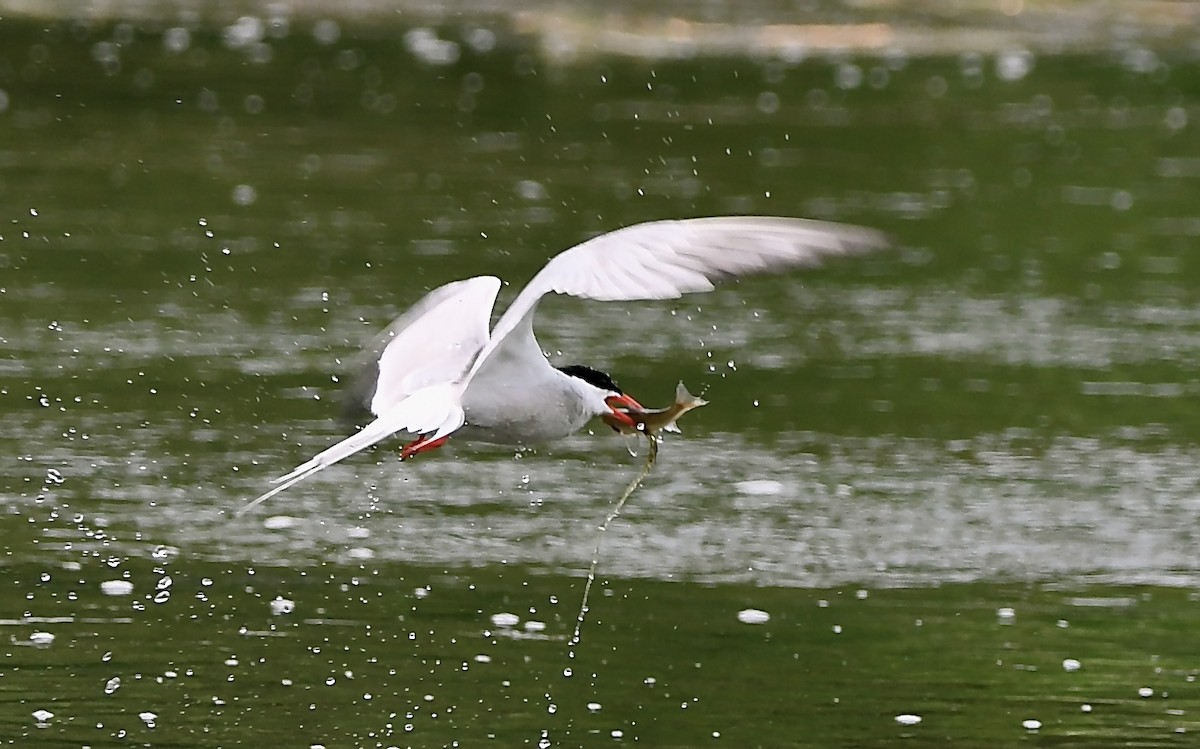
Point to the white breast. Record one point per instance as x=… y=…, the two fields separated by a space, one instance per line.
x=541 y=405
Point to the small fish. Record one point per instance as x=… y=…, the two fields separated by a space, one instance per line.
x=655 y=420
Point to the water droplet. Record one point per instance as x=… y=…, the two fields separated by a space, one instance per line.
x=768 y=102
x=759 y=487
x=42 y=716
x=531 y=190
x=112 y=685
x=1013 y=65
x=244 y=195
x=908 y=719
x=1031 y=724
x=1176 y=118
x=1070 y=664
x=162 y=596
x=176 y=39
x=327 y=32
x=753 y=616
x=280 y=522
x=116 y=587
x=505 y=620
x=848 y=76
x=41 y=639
x=481 y=40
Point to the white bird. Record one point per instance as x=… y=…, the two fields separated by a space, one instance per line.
x=443 y=372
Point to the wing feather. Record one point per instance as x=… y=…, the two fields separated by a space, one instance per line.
x=426 y=353
x=666 y=259
x=436 y=341
x=433 y=351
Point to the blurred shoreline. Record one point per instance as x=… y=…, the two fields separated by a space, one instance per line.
x=564 y=31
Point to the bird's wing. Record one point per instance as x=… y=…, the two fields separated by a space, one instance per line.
x=420 y=372
x=435 y=410
x=666 y=259
x=436 y=341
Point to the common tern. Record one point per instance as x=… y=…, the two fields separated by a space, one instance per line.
x=443 y=372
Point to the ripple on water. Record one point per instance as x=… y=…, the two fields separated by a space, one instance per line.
x=823 y=510
x=798 y=509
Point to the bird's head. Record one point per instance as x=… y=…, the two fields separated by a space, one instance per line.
x=618 y=403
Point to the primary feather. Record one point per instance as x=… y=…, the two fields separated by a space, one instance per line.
x=666 y=259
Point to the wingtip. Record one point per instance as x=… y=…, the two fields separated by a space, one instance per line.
x=861 y=240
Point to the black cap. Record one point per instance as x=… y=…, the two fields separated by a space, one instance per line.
x=593 y=377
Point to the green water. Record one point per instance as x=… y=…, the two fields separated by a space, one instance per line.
x=1000 y=415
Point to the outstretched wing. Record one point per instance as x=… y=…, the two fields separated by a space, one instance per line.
x=436 y=341
x=666 y=259
x=418 y=387
x=412 y=344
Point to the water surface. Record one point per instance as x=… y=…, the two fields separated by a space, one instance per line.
x=944 y=473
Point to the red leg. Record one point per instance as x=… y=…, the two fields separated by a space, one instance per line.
x=420 y=445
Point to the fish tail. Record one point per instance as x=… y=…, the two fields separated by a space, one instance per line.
x=685 y=399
